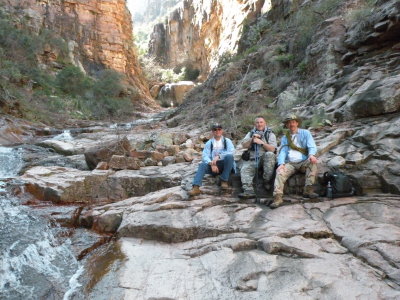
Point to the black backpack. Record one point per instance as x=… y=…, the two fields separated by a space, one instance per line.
x=225 y=147
x=246 y=153
x=338 y=184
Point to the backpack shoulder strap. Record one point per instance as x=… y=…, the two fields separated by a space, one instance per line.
x=293 y=146
x=252 y=133
x=225 y=147
x=266 y=135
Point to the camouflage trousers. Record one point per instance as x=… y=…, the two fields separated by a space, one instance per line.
x=304 y=166
x=248 y=170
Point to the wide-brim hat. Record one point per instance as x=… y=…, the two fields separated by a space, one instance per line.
x=291 y=117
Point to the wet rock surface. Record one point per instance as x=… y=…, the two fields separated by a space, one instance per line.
x=215 y=246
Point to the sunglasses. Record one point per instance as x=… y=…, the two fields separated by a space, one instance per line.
x=217 y=129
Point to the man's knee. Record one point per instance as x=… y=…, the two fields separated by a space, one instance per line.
x=228 y=157
x=269 y=155
x=203 y=166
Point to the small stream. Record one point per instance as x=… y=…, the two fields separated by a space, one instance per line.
x=35 y=263
x=37 y=260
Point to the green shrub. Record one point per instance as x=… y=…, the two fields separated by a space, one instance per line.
x=71 y=80
x=360 y=17
x=108 y=85
x=285 y=59
x=191 y=73
x=304 y=22
x=316 y=121
x=168 y=75
x=225 y=58
x=302 y=67
x=70 y=92
x=251 y=34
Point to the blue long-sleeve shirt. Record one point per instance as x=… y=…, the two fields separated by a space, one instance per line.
x=305 y=140
x=207 y=155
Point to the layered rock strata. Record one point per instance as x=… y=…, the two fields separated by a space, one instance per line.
x=197 y=34
x=98 y=34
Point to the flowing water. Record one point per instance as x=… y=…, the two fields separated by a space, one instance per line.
x=35 y=263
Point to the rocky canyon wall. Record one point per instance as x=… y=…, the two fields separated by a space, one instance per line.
x=154 y=9
x=197 y=34
x=98 y=34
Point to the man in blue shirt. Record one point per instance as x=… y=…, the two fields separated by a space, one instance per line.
x=297 y=154
x=217 y=159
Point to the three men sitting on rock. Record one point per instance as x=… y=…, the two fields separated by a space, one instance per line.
x=217 y=158
x=297 y=153
x=261 y=143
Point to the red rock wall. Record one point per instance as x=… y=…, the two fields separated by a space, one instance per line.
x=98 y=32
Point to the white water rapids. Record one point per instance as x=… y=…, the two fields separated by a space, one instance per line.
x=34 y=262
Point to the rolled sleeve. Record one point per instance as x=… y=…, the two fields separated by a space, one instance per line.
x=311 y=146
x=272 y=140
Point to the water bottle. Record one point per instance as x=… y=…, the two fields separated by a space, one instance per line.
x=329 y=191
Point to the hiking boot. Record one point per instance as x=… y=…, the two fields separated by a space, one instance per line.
x=194 y=191
x=309 y=192
x=278 y=200
x=224 y=185
x=247 y=194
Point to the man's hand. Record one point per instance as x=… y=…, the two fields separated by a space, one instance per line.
x=214 y=161
x=258 y=141
x=214 y=169
x=313 y=159
x=281 y=169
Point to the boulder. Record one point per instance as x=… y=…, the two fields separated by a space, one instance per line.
x=157 y=156
x=175 y=92
x=105 y=152
x=289 y=97
x=336 y=162
x=102 y=166
x=150 y=162
x=155 y=89
x=65 y=185
x=140 y=154
x=168 y=160
x=62 y=147
x=173 y=150
x=374 y=97
x=119 y=162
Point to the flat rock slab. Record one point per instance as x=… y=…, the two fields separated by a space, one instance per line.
x=66 y=185
x=154 y=270
x=214 y=247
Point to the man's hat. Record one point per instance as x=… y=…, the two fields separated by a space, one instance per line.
x=216 y=126
x=291 y=117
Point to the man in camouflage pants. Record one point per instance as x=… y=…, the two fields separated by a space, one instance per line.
x=297 y=154
x=261 y=141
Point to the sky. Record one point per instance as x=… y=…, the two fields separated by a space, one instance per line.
x=136 y=5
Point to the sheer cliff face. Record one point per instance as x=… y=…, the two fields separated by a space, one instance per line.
x=199 y=32
x=153 y=10
x=98 y=32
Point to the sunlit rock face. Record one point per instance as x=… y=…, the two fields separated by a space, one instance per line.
x=98 y=33
x=197 y=33
x=150 y=10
